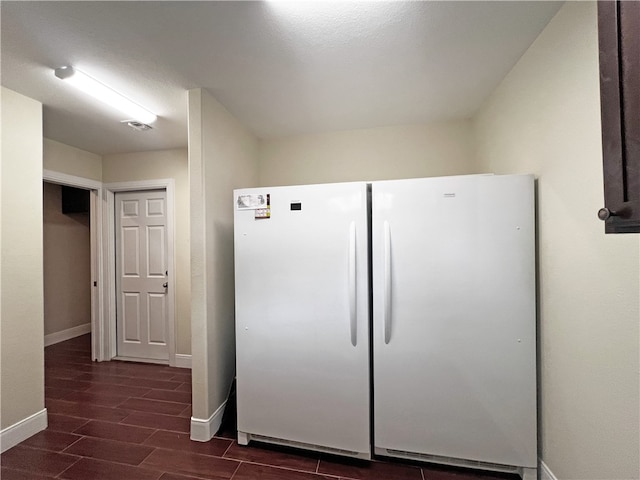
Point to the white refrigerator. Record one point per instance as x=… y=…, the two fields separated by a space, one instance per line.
x=302 y=317
x=454 y=321
x=395 y=318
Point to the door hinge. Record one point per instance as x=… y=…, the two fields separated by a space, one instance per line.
x=95 y=284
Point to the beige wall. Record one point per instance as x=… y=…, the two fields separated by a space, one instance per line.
x=409 y=151
x=21 y=297
x=545 y=119
x=156 y=165
x=62 y=158
x=222 y=156
x=67 y=264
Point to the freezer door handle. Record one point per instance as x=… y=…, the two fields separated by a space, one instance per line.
x=387 y=282
x=353 y=305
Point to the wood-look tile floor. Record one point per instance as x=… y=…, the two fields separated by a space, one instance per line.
x=130 y=421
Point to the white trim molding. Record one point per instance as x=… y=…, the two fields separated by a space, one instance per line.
x=20 y=431
x=70 y=180
x=183 y=361
x=109 y=341
x=545 y=472
x=67 y=334
x=204 y=430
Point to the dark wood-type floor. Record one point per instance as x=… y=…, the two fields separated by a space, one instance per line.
x=130 y=421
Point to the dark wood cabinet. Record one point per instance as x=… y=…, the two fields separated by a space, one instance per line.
x=619 y=40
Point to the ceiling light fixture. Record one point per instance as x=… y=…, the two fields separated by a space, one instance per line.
x=101 y=92
x=138 y=126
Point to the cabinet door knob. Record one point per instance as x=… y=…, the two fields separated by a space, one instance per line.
x=605 y=213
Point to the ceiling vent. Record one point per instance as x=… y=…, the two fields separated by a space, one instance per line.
x=139 y=126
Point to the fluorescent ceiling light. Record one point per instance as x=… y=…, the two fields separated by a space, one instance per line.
x=98 y=90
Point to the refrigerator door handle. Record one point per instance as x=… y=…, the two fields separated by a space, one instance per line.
x=353 y=306
x=387 y=282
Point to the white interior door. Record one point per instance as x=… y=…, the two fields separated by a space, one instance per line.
x=141 y=275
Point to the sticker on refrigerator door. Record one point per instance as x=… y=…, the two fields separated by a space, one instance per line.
x=264 y=212
x=252 y=201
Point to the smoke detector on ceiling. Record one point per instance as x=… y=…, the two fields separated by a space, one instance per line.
x=139 y=126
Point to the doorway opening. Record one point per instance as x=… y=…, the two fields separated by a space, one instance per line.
x=71 y=259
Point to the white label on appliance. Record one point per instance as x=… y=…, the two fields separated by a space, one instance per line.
x=251 y=202
x=263 y=212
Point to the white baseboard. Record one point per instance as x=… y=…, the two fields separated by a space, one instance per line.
x=204 y=430
x=67 y=334
x=183 y=361
x=545 y=472
x=20 y=431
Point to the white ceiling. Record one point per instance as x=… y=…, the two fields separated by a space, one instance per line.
x=282 y=68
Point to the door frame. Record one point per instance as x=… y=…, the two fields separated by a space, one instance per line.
x=109 y=339
x=97 y=252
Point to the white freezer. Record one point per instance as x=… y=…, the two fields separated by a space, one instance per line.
x=302 y=317
x=454 y=331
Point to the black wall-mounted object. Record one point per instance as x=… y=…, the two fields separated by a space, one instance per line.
x=75 y=200
x=619 y=41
